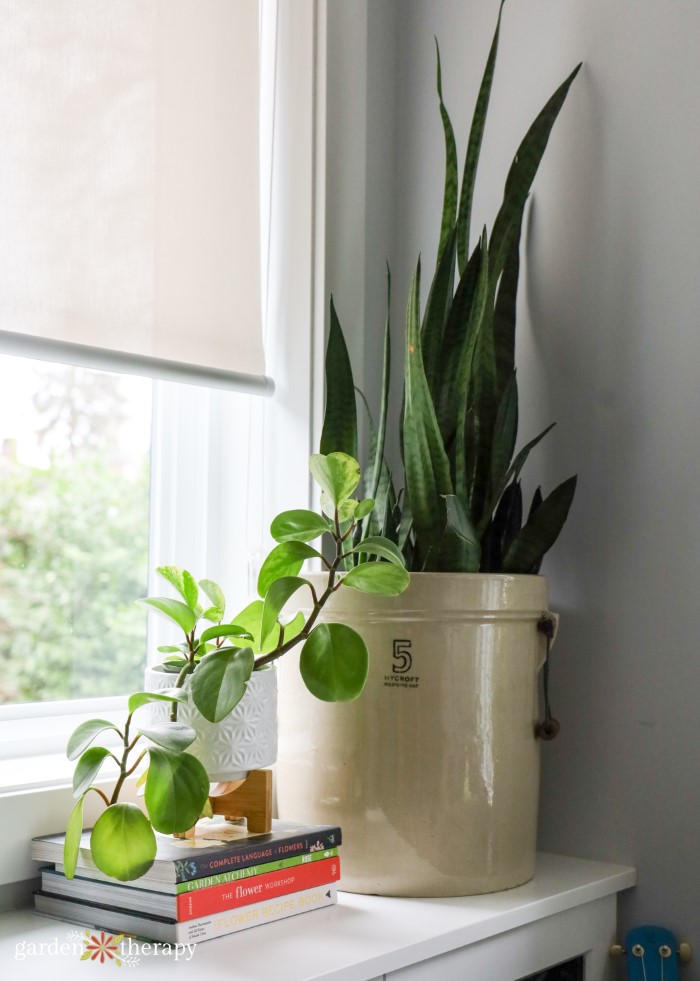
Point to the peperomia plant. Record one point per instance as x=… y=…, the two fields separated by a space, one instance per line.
x=461 y=506
x=216 y=659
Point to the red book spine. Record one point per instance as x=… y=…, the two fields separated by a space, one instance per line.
x=218 y=899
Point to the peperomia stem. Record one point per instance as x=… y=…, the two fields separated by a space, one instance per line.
x=123 y=771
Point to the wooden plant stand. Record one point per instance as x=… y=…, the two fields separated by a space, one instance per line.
x=250 y=799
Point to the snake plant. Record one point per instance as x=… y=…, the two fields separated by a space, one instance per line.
x=460 y=506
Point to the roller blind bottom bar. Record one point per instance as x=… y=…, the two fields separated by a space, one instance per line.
x=105 y=359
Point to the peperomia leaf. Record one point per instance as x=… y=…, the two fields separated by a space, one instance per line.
x=173 y=610
x=277 y=595
x=334 y=662
x=71 y=843
x=175 y=736
x=225 y=630
x=87 y=768
x=183 y=581
x=84 y=735
x=381 y=578
x=337 y=474
x=382 y=547
x=217 y=610
x=298 y=526
x=140 y=698
x=364 y=508
x=285 y=559
x=219 y=683
x=177 y=788
x=122 y=842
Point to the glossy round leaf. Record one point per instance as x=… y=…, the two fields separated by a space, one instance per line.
x=337 y=474
x=277 y=596
x=298 y=526
x=140 y=698
x=224 y=630
x=334 y=662
x=87 y=768
x=175 y=736
x=364 y=508
x=122 y=842
x=219 y=683
x=172 y=610
x=380 y=578
x=286 y=559
x=177 y=787
x=71 y=843
x=382 y=547
x=84 y=735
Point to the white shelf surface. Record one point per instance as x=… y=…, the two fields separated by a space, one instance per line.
x=362 y=938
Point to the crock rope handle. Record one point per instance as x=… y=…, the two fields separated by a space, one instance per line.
x=548 y=728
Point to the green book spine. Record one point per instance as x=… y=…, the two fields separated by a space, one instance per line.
x=236 y=874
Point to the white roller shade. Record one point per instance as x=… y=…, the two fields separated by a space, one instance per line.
x=129 y=186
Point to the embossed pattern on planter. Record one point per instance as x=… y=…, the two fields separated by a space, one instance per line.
x=245 y=740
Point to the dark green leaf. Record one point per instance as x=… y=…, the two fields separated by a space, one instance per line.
x=87 y=768
x=84 y=735
x=175 y=736
x=298 y=526
x=140 y=698
x=337 y=474
x=219 y=683
x=512 y=473
x=458 y=519
x=173 y=610
x=71 y=843
x=504 y=314
x=541 y=530
x=284 y=560
x=471 y=162
x=436 y=314
x=177 y=788
x=334 y=663
x=505 y=432
x=449 y=201
x=122 y=842
x=381 y=578
x=277 y=595
x=426 y=463
x=339 y=432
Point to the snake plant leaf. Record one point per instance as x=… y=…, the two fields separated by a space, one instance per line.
x=377 y=458
x=215 y=594
x=381 y=487
x=513 y=473
x=299 y=526
x=71 y=843
x=381 y=547
x=87 y=768
x=340 y=418
x=541 y=530
x=536 y=501
x=177 y=787
x=277 y=595
x=220 y=681
x=285 y=559
x=122 y=843
x=338 y=474
x=504 y=313
x=522 y=174
x=379 y=578
x=471 y=162
x=175 y=611
x=436 y=314
x=458 y=520
x=449 y=203
x=426 y=463
x=175 y=736
x=85 y=733
x=461 y=551
x=503 y=529
x=505 y=432
x=334 y=662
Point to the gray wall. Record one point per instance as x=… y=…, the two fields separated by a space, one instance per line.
x=609 y=346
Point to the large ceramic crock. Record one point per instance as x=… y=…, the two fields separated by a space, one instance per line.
x=433 y=772
x=245 y=740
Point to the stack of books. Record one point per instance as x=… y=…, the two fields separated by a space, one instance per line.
x=223 y=880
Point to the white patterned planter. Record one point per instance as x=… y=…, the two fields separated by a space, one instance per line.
x=245 y=740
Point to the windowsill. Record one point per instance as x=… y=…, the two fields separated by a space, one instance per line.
x=365 y=937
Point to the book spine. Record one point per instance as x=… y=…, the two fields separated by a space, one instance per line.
x=220 y=899
x=232 y=921
x=199 y=866
x=251 y=870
